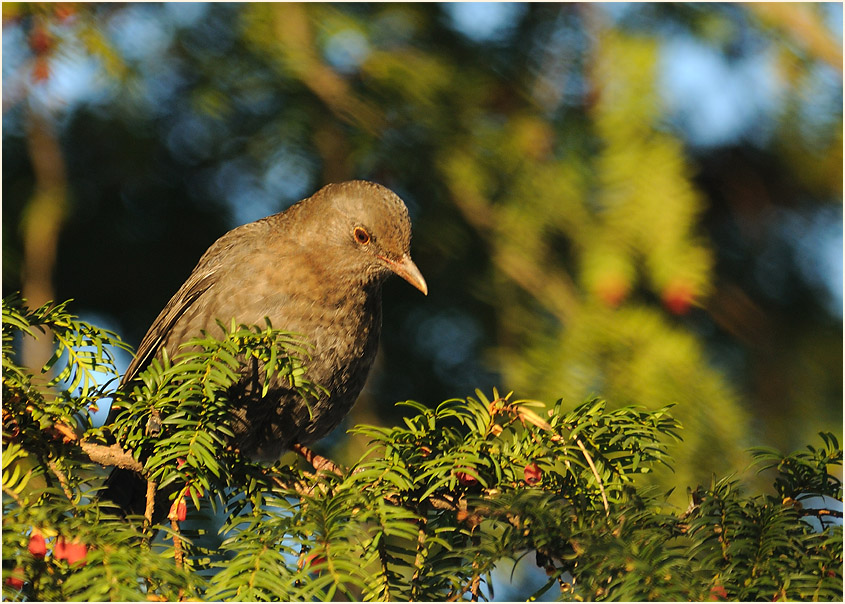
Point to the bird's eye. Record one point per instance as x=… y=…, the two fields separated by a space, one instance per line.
x=361 y=235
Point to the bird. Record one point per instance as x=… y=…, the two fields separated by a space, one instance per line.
x=315 y=269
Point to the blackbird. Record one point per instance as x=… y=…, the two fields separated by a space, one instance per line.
x=315 y=269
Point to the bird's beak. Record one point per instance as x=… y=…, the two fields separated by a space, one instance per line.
x=406 y=269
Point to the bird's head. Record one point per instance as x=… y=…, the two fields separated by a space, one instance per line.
x=370 y=222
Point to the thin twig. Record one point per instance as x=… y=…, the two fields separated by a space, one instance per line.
x=385 y=570
x=443 y=501
x=595 y=473
x=54 y=467
x=476 y=580
x=150 y=503
x=804 y=27
x=553 y=288
x=438 y=502
x=177 y=543
x=821 y=512
x=472 y=587
x=319 y=462
x=13 y=495
x=419 y=559
x=299 y=53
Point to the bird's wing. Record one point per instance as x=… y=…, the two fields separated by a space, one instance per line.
x=198 y=283
x=201 y=279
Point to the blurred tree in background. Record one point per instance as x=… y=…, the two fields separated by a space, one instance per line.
x=641 y=202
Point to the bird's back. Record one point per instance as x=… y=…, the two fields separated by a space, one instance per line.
x=244 y=276
x=315 y=270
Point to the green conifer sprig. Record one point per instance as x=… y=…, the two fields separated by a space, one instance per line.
x=428 y=512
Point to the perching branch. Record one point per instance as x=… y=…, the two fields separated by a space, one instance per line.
x=107 y=456
x=319 y=462
x=110 y=456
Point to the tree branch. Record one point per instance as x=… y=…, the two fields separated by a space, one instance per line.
x=804 y=27
x=295 y=36
x=150 y=503
x=54 y=467
x=420 y=557
x=319 y=462
x=110 y=456
x=595 y=473
x=105 y=455
x=13 y=495
x=821 y=512
x=41 y=224
x=551 y=287
x=177 y=543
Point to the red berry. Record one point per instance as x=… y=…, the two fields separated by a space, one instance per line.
x=16 y=578
x=314 y=560
x=178 y=510
x=37 y=545
x=466 y=479
x=677 y=297
x=718 y=593
x=181 y=461
x=40 y=69
x=64 y=11
x=533 y=474
x=73 y=551
x=39 y=40
x=612 y=290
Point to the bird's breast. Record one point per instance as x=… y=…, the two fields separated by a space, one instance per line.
x=342 y=334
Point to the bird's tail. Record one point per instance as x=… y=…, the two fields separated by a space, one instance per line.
x=128 y=491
